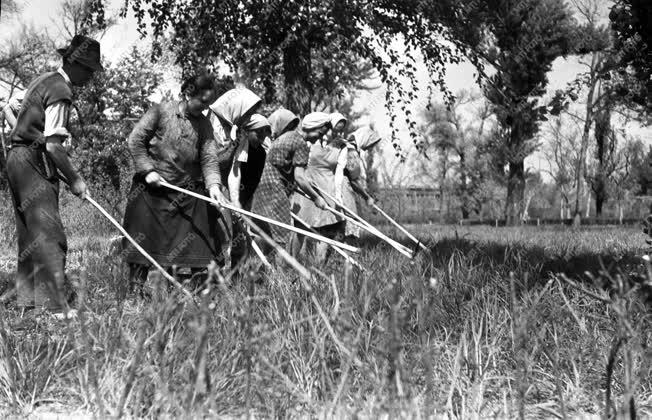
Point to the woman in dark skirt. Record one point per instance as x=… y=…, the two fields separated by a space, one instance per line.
x=174 y=142
x=287 y=159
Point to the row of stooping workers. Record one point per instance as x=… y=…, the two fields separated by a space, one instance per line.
x=231 y=153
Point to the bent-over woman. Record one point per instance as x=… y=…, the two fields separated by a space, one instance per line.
x=232 y=112
x=287 y=159
x=360 y=142
x=258 y=133
x=174 y=142
x=321 y=171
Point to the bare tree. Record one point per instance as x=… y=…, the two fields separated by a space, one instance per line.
x=76 y=18
x=596 y=43
x=623 y=180
x=451 y=154
x=562 y=153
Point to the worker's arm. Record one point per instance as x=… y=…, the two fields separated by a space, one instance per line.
x=56 y=151
x=55 y=133
x=8 y=113
x=304 y=183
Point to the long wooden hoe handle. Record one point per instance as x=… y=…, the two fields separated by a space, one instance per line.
x=140 y=249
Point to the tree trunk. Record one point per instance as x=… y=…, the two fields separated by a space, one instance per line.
x=464 y=194
x=602 y=129
x=526 y=208
x=442 y=182
x=297 y=71
x=588 y=121
x=515 y=193
x=465 y=212
x=588 y=204
x=599 y=204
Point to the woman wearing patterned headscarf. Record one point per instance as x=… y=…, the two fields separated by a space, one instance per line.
x=232 y=112
x=287 y=159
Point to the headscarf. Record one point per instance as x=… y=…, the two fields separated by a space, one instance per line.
x=315 y=120
x=231 y=106
x=336 y=118
x=256 y=122
x=280 y=120
x=365 y=138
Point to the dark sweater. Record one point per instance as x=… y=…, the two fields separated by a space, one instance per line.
x=45 y=90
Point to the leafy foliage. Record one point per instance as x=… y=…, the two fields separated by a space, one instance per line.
x=299 y=51
x=453 y=153
x=107 y=109
x=630 y=21
x=525 y=38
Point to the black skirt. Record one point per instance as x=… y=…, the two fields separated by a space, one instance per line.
x=174 y=228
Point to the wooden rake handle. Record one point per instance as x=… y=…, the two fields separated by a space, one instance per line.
x=140 y=249
x=262 y=218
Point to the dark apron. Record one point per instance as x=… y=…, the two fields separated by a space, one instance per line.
x=42 y=243
x=174 y=228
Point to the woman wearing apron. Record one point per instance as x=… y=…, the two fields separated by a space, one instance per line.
x=174 y=142
x=321 y=171
x=284 y=170
x=360 y=142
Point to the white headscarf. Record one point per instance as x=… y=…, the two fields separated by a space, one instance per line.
x=256 y=122
x=315 y=120
x=231 y=106
x=365 y=138
x=336 y=118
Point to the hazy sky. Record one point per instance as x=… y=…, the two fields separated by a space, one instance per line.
x=118 y=40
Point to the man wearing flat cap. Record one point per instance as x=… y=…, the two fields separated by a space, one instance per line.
x=35 y=162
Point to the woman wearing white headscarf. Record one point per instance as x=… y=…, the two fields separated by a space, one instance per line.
x=339 y=123
x=287 y=159
x=232 y=112
x=360 y=142
x=321 y=171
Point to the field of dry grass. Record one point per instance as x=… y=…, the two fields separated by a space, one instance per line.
x=495 y=322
